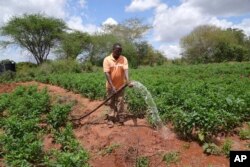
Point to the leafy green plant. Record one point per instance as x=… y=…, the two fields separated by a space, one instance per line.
x=245 y=133
x=57 y=117
x=227 y=146
x=195 y=98
x=76 y=159
x=211 y=148
x=142 y=161
x=21 y=134
x=171 y=157
x=109 y=149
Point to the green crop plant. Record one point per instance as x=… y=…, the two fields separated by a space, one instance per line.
x=21 y=136
x=58 y=115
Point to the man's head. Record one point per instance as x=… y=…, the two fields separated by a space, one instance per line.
x=117 y=50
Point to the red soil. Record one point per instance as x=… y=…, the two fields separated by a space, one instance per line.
x=121 y=145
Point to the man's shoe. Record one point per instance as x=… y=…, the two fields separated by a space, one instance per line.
x=120 y=123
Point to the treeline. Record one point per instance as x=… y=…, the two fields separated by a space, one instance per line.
x=210 y=44
x=39 y=34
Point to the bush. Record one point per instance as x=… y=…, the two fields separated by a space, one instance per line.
x=59 y=66
x=7 y=76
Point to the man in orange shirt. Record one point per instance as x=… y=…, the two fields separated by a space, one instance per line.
x=115 y=67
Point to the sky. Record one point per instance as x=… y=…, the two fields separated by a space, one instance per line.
x=170 y=19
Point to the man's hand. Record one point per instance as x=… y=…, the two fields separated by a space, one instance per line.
x=129 y=83
x=113 y=89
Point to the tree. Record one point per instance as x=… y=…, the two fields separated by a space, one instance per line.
x=101 y=46
x=206 y=44
x=35 y=32
x=131 y=29
x=73 y=44
x=199 y=43
x=130 y=33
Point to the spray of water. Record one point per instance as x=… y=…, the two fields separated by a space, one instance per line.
x=152 y=109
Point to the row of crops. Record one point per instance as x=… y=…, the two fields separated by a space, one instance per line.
x=22 y=114
x=197 y=99
x=201 y=99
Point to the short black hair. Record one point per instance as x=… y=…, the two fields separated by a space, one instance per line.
x=117 y=45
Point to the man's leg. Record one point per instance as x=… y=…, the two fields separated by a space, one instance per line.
x=120 y=107
x=112 y=103
x=113 y=107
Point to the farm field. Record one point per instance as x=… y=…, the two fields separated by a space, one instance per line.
x=206 y=109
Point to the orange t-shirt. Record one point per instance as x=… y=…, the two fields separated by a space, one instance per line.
x=116 y=70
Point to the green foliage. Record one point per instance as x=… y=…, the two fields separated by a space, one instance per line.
x=26 y=73
x=206 y=44
x=129 y=30
x=35 y=33
x=211 y=148
x=59 y=66
x=72 y=153
x=65 y=137
x=73 y=44
x=58 y=115
x=21 y=135
x=75 y=159
x=136 y=102
x=101 y=46
x=91 y=85
x=3 y=102
x=171 y=157
x=142 y=162
x=245 y=132
x=226 y=147
x=21 y=143
x=7 y=76
x=197 y=99
x=129 y=33
x=109 y=149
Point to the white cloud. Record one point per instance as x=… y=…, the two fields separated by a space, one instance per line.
x=62 y=9
x=172 y=23
x=15 y=7
x=141 y=5
x=244 y=25
x=171 y=51
x=110 y=21
x=76 y=23
x=16 y=55
x=221 y=7
x=82 y=3
x=223 y=23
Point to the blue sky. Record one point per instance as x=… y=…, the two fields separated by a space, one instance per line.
x=170 y=19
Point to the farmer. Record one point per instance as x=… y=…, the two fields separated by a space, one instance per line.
x=115 y=67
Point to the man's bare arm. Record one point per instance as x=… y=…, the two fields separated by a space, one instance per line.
x=108 y=77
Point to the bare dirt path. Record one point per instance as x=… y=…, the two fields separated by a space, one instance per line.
x=121 y=145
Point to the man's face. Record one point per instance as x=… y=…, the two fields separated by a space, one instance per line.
x=117 y=52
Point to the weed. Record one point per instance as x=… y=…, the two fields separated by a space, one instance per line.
x=109 y=149
x=227 y=147
x=244 y=134
x=211 y=148
x=171 y=157
x=186 y=145
x=142 y=161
